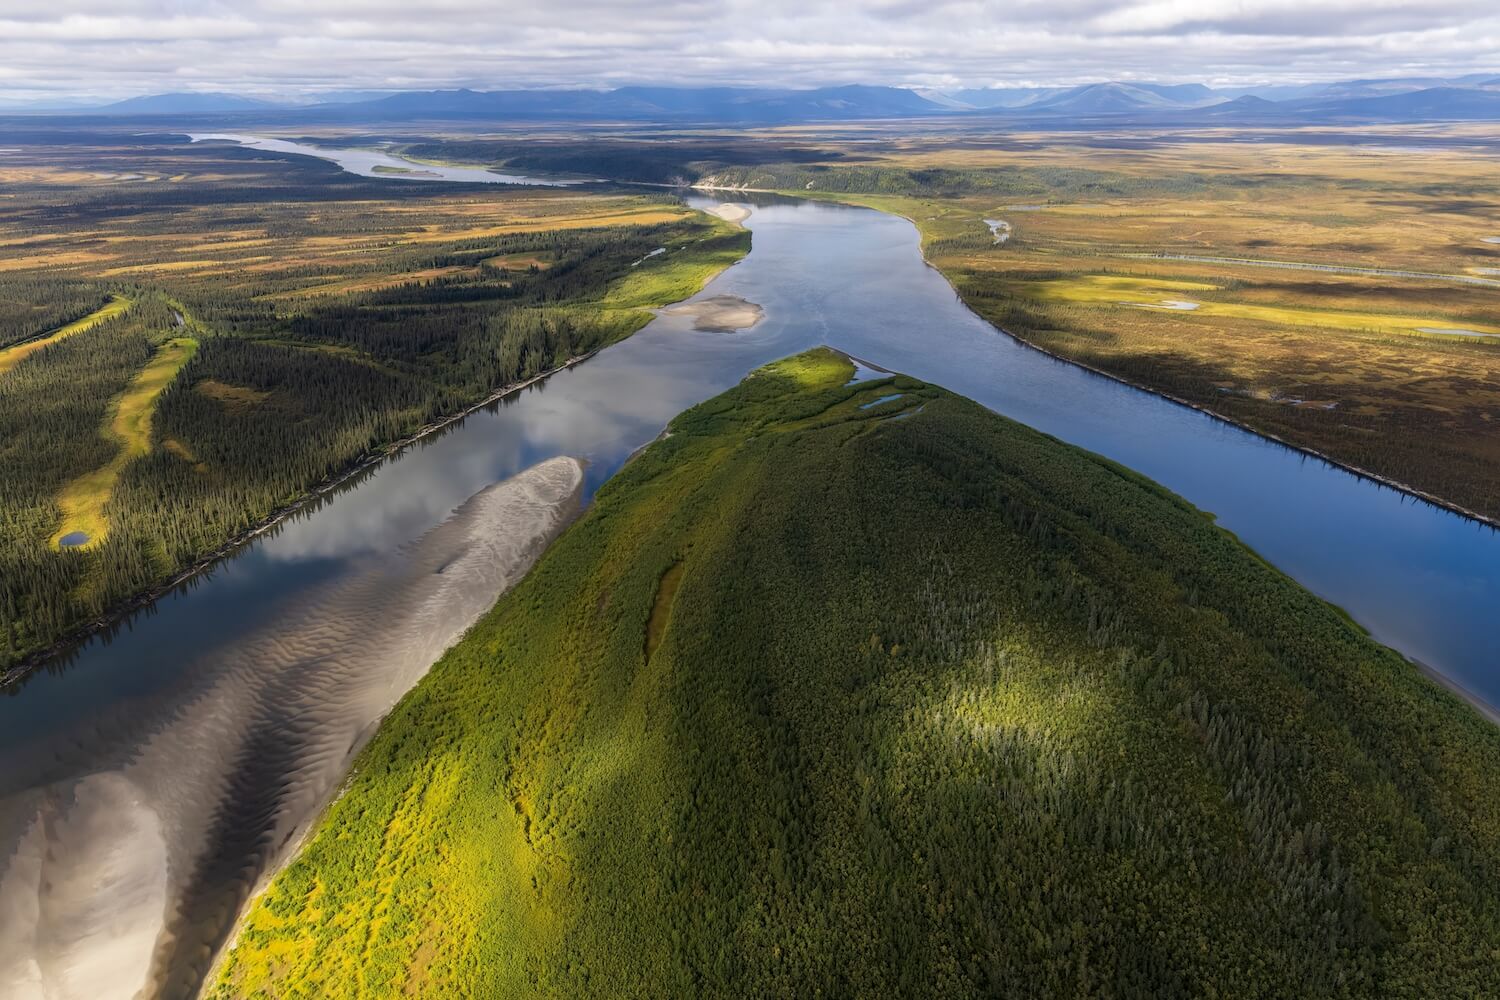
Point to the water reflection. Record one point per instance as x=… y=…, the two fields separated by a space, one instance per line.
x=134 y=832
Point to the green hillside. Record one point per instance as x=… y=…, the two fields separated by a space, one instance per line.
x=831 y=697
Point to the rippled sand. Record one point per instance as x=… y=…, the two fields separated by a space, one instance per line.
x=125 y=882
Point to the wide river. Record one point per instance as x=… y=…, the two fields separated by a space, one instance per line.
x=154 y=777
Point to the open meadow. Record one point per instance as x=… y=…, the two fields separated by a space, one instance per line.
x=193 y=336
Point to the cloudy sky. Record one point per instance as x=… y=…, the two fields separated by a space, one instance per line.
x=117 y=48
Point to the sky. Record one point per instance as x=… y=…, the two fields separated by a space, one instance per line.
x=280 y=48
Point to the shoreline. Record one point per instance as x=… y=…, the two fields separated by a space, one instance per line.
x=569 y=512
x=1354 y=470
x=116 y=614
x=1456 y=689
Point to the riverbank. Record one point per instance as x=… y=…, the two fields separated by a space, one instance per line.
x=216 y=819
x=1416 y=493
x=207 y=519
x=116 y=615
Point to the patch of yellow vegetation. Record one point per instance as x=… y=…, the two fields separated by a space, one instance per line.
x=518 y=261
x=1111 y=291
x=179 y=449
x=230 y=396
x=83 y=500
x=373 y=284
x=661 y=610
x=635 y=217
x=53 y=260
x=12 y=356
x=157 y=266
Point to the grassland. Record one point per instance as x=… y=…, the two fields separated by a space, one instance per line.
x=825 y=698
x=333 y=314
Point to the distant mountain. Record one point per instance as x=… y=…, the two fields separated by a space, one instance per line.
x=184 y=104
x=1275 y=92
x=1187 y=95
x=1249 y=104
x=1381 y=88
x=1111 y=98
x=62 y=106
x=1001 y=97
x=1473 y=97
x=1356 y=89
x=1431 y=104
x=708 y=103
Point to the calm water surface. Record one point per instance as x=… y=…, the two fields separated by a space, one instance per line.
x=1422 y=580
x=366 y=161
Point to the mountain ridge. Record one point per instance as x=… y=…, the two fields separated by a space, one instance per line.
x=1473 y=97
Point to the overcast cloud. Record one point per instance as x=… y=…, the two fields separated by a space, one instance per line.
x=117 y=48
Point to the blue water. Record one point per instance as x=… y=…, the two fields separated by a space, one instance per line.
x=877 y=402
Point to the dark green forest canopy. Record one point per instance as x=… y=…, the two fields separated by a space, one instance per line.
x=837 y=694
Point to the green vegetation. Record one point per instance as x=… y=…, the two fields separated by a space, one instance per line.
x=12 y=356
x=83 y=501
x=44 y=303
x=827 y=700
x=333 y=315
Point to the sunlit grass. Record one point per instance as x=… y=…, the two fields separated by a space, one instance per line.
x=676 y=274
x=1116 y=291
x=83 y=501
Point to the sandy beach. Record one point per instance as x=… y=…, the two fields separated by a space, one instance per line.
x=730 y=212
x=719 y=313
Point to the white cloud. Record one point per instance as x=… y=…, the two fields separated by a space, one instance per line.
x=121 y=47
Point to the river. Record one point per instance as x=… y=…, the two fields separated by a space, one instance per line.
x=174 y=763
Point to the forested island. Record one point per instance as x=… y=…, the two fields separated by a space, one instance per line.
x=851 y=687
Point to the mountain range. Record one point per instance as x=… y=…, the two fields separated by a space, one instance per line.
x=1475 y=97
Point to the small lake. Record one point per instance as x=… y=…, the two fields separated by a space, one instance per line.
x=312 y=596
